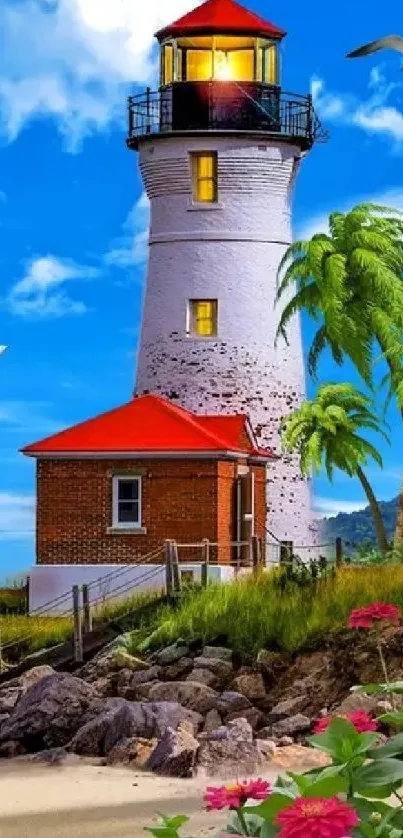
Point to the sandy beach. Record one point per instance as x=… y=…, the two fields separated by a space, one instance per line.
x=80 y=799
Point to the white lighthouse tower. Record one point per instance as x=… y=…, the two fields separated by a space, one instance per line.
x=220 y=146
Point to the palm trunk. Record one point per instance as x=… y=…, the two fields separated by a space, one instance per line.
x=379 y=525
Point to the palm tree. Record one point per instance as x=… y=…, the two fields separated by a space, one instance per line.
x=350 y=282
x=326 y=432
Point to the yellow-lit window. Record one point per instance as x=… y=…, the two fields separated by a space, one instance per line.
x=199 y=65
x=204 y=177
x=167 y=64
x=234 y=65
x=203 y=318
x=270 y=65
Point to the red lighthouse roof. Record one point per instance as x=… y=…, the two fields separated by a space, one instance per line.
x=223 y=16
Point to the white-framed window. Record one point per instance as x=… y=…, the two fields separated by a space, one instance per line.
x=126 y=501
x=202 y=318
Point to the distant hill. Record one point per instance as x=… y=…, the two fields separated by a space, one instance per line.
x=358 y=527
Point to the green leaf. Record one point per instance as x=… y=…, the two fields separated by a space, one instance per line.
x=162 y=831
x=391 y=748
x=175 y=822
x=327 y=787
x=301 y=781
x=394 y=718
x=269 y=808
x=377 y=689
x=377 y=774
x=379 y=793
x=337 y=740
x=268 y=830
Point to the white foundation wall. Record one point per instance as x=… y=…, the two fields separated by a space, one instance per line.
x=230 y=252
x=48 y=583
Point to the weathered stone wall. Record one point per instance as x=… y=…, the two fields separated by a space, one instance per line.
x=229 y=252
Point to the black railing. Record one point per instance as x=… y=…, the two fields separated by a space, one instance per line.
x=223 y=106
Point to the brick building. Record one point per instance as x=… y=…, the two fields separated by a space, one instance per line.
x=113 y=488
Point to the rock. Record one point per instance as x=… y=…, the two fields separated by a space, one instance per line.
x=178 y=670
x=231 y=701
x=190 y=694
x=120 y=659
x=253 y=716
x=4 y=717
x=151 y=674
x=50 y=712
x=128 y=719
x=285 y=741
x=219 y=652
x=251 y=685
x=131 y=750
x=175 y=754
x=133 y=690
x=224 y=751
x=141 y=692
x=372 y=704
x=288 y=707
x=204 y=676
x=299 y=758
x=220 y=667
x=52 y=756
x=291 y=726
x=266 y=747
x=32 y=676
x=9 y=699
x=171 y=654
x=102 y=686
x=11 y=749
x=212 y=721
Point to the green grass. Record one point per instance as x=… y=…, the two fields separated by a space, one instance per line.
x=21 y=635
x=254 y=614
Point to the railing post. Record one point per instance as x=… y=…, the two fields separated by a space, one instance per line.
x=87 y=616
x=148 y=108
x=255 y=553
x=176 y=577
x=339 y=552
x=78 y=634
x=309 y=120
x=206 y=562
x=168 y=567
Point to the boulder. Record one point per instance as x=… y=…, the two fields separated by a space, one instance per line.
x=373 y=704
x=299 y=758
x=141 y=692
x=204 y=676
x=9 y=699
x=50 y=712
x=253 y=716
x=219 y=652
x=288 y=707
x=222 y=668
x=109 y=661
x=32 y=676
x=175 y=753
x=11 y=749
x=171 y=654
x=222 y=752
x=251 y=685
x=190 y=694
x=176 y=671
x=267 y=748
x=212 y=721
x=231 y=701
x=127 y=720
x=52 y=756
x=131 y=751
x=291 y=726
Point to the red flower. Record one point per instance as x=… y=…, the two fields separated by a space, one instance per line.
x=236 y=795
x=366 y=616
x=361 y=720
x=316 y=817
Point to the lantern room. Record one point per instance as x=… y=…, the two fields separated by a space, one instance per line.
x=220 y=71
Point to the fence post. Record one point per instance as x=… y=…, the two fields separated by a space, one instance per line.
x=255 y=553
x=206 y=562
x=168 y=567
x=1 y=654
x=87 y=616
x=176 y=577
x=78 y=633
x=339 y=552
x=27 y=584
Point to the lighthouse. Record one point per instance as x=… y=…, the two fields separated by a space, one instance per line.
x=220 y=145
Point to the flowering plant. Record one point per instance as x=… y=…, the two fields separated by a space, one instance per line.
x=346 y=799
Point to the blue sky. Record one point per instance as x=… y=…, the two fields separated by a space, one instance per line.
x=73 y=218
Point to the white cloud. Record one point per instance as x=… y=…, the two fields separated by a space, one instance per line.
x=392 y=197
x=131 y=248
x=27 y=417
x=73 y=60
x=37 y=294
x=374 y=115
x=327 y=507
x=17 y=516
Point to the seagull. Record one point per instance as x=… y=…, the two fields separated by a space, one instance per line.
x=390 y=42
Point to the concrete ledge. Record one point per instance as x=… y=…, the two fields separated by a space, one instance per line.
x=126 y=530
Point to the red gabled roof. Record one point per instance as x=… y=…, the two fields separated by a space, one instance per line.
x=223 y=17
x=151 y=424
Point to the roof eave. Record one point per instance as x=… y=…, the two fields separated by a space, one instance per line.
x=145 y=455
x=179 y=32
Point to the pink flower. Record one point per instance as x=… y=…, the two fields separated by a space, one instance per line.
x=366 y=616
x=235 y=795
x=316 y=817
x=361 y=720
